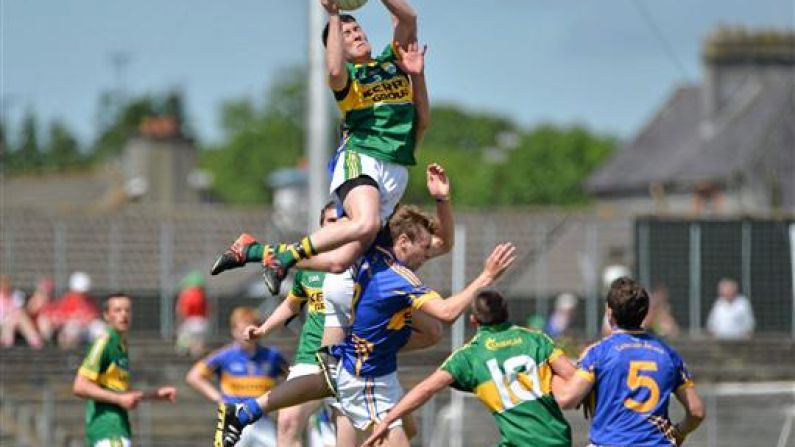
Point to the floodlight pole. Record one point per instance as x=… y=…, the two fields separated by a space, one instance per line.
x=317 y=124
x=458 y=283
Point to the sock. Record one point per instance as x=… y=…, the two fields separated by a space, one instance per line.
x=254 y=252
x=296 y=252
x=250 y=412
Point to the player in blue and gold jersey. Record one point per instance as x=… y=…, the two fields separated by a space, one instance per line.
x=633 y=375
x=381 y=325
x=244 y=369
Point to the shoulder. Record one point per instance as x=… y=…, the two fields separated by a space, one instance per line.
x=221 y=353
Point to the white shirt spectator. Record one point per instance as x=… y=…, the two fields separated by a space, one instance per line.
x=731 y=319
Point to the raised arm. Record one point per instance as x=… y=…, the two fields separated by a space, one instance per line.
x=410 y=402
x=404 y=19
x=451 y=308
x=439 y=189
x=335 y=57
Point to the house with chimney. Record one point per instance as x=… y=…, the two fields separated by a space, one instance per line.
x=725 y=146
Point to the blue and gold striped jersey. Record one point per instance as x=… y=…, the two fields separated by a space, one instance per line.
x=242 y=375
x=386 y=293
x=634 y=375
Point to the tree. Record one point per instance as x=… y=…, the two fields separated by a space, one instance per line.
x=258 y=139
x=63 y=149
x=27 y=156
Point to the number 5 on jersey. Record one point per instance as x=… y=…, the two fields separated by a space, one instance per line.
x=636 y=381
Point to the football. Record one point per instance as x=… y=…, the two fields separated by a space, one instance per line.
x=350 y=5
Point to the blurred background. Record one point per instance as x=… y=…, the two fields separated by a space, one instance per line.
x=654 y=139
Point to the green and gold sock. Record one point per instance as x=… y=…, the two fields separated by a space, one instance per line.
x=255 y=252
x=296 y=252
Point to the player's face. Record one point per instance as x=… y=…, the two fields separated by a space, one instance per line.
x=238 y=329
x=329 y=216
x=413 y=254
x=354 y=42
x=119 y=313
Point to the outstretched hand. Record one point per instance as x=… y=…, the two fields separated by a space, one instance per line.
x=167 y=393
x=378 y=436
x=438 y=182
x=498 y=262
x=330 y=6
x=251 y=332
x=410 y=59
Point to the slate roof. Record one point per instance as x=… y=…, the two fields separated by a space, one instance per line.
x=681 y=147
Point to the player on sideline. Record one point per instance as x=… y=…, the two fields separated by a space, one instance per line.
x=104 y=380
x=387 y=295
x=510 y=370
x=244 y=369
x=634 y=375
x=337 y=293
x=386 y=110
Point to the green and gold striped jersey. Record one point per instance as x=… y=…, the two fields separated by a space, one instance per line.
x=308 y=290
x=378 y=111
x=507 y=367
x=108 y=366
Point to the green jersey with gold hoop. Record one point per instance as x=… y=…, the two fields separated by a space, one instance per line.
x=108 y=366
x=377 y=104
x=308 y=290
x=507 y=367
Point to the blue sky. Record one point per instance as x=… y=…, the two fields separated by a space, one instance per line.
x=596 y=63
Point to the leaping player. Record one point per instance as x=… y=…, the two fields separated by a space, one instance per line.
x=385 y=110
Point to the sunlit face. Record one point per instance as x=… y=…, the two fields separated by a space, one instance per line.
x=413 y=254
x=354 y=43
x=727 y=289
x=118 y=313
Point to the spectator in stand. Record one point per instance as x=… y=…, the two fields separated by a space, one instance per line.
x=192 y=315
x=40 y=305
x=561 y=318
x=13 y=318
x=659 y=320
x=75 y=315
x=731 y=317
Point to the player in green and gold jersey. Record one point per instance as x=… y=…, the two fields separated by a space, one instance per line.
x=509 y=368
x=104 y=380
x=385 y=110
x=307 y=291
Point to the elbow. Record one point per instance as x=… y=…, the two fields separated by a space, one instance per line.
x=335 y=267
x=565 y=401
x=77 y=389
x=698 y=412
x=448 y=316
x=335 y=72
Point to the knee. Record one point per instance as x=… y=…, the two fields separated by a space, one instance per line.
x=366 y=227
x=288 y=427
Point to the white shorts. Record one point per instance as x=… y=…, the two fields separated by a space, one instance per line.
x=391 y=178
x=338 y=298
x=302 y=369
x=259 y=434
x=367 y=400
x=115 y=442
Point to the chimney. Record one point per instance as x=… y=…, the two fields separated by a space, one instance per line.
x=158 y=163
x=737 y=59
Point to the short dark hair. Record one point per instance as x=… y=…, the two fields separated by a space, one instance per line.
x=490 y=308
x=329 y=205
x=110 y=296
x=629 y=303
x=410 y=220
x=344 y=18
